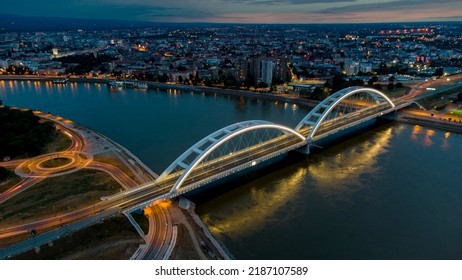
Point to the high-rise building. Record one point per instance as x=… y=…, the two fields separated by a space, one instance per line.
x=281 y=69
x=266 y=71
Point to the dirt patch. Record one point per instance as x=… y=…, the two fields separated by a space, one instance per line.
x=57 y=195
x=114 y=239
x=184 y=248
x=112 y=159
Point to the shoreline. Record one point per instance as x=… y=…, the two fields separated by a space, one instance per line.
x=85 y=133
x=189 y=88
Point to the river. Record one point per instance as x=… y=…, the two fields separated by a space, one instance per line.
x=390 y=192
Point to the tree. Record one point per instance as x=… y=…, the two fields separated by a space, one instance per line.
x=318 y=94
x=164 y=78
x=4 y=174
x=357 y=82
x=208 y=81
x=230 y=81
x=439 y=72
x=22 y=133
x=459 y=96
x=262 y=85
x=390 y=86
x=338 y=82
x=181 y=68
x=373 y=80
x=180 y=79
x=391 y=79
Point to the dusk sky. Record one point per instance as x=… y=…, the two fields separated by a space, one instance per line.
x=243 y=11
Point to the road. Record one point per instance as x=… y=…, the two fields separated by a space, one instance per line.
x=136 y=197
x=33 y=171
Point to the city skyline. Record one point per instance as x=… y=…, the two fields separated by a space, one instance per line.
x=244 y=11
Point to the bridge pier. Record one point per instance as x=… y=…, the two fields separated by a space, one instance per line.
x=304 y=149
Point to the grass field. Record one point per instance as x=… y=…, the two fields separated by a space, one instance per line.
x=112 y=159
x=56 y=195
x=60 y=143
x=395 y=93
x=457 y=112
x=113 y=239
x=13 y=180
x=55 y=162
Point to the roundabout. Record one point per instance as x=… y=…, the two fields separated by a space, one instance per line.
x=58 y=162
x=54 y=164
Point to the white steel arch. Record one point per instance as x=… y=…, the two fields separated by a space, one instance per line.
x=208 y=144
x=322 y=110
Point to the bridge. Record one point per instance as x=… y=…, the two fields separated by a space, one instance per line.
x=246 y=144
x=232 y=149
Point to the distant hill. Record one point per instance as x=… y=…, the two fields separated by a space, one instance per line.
x=10 y=23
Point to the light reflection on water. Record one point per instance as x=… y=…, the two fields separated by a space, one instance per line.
x=392 y=192
x=252 y=212
x=380 y=195
x=332 y=174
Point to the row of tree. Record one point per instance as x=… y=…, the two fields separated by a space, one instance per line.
x=4 y=174
x=340 y=81
x=21 y=133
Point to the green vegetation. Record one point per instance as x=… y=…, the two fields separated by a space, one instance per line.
x=457 y=113
x=112 y=159
x=439 y=101
x=21 y=133
x=83 y=64
x=5 y=174
x=7 y=179
x=60 y=143
x=55 y=162
x=113 y=239
x=142 y=221
x=316 y=94
x=395 y=92
x=56 y=195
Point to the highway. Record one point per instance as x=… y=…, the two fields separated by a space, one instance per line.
x=138 y=197
x=19 y=187
x=127 y=200
x=160 y=233
x=68 y=222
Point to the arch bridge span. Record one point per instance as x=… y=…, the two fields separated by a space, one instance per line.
x=226 y=151
x=343 y=109
x=246 y=144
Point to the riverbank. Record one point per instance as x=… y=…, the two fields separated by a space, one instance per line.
x=95 y=143
x=187 y=88
x=438 y=123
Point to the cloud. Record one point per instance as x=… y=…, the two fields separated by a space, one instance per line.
x=285 y=2
x=243 y=11
x=399 y=5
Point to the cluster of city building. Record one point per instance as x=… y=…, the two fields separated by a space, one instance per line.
x=239 y=55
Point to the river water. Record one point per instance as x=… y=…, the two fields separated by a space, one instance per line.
x=391 y=192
